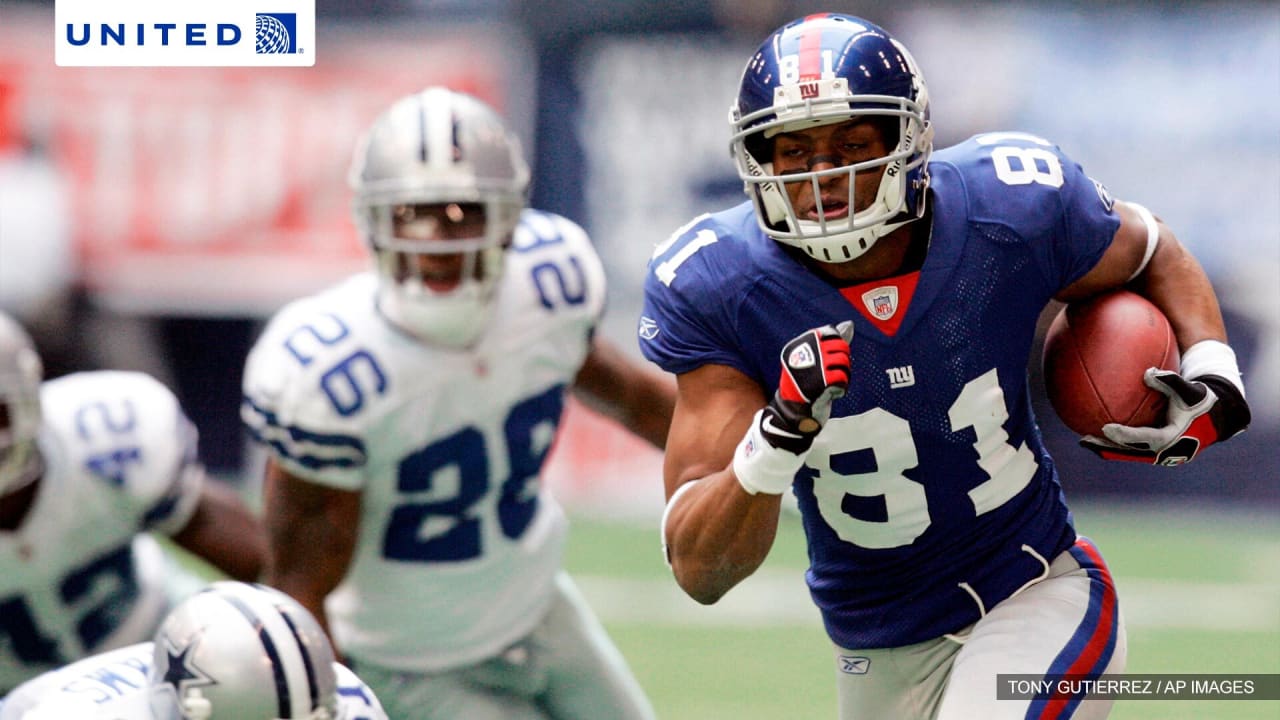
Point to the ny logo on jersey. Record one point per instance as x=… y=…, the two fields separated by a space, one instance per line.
x=901 y=377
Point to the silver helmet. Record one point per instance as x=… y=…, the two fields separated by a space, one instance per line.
x=20 y=376
x=237 y=651
x=439 y=184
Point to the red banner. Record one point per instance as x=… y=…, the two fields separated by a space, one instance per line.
x=223 y=190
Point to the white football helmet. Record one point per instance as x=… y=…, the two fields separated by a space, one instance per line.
x=20 y=377
x=443 y=163
x=237 y=651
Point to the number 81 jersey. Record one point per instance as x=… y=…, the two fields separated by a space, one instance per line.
x=458 y=542
x=930 y=480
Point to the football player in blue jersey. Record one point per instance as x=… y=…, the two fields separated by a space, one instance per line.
x=858 y=333
x=408 y=412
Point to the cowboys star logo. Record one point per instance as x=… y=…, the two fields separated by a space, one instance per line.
x=180 y=670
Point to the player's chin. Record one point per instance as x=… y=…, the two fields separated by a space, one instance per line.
x=442 y=286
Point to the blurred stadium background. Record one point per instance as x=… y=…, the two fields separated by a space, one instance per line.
x=152 y=218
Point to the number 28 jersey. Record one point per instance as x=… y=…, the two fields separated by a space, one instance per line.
x=459 y=542
x=931 y=475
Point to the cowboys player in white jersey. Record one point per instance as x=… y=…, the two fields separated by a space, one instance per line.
x=408 y=413
x=232 y=651
x=90 y=464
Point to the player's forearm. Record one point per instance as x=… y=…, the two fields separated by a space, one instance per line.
x=1176 y=283
x=225 y=533
x=717 y=535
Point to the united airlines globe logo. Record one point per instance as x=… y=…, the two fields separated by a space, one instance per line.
x=275 y=34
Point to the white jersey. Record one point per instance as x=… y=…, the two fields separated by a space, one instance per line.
x=459 y=543
x=77 y=577
x=113 y=686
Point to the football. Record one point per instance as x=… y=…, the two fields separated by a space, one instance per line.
x=1095 y=353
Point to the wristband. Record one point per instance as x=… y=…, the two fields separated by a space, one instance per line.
x=666 y=555
x=1212 y=357
x=761 y=467
x=1153 y=238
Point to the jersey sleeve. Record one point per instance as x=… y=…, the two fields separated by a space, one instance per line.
x=1031 y=186
x=566 y=271
x=126 y=429
x=89 y=683
x=684 y=323
x=298 y=379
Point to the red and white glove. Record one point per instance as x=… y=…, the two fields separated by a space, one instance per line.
x=815 y=372
x=1203 y=410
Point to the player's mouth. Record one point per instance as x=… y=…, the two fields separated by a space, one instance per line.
x=832 y=209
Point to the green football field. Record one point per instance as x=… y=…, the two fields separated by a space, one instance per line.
x=1200 y=591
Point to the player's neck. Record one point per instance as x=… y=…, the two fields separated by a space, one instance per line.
x=901 y=251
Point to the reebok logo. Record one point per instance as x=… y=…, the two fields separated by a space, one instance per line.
x=853 y=665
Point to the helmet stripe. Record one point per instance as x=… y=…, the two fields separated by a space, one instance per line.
x=811 y=53
x=422 y=132
x=313 y=686
x=269 y=647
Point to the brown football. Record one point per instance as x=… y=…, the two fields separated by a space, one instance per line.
x=1095 y=353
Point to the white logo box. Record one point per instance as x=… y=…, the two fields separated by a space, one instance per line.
x=193 y=33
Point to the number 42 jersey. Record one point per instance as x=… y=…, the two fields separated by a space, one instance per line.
x=80 y=574
x=931 y=476
x=459 y=542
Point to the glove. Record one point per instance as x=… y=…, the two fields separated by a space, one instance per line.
x=815 y=372
x=1202 y=411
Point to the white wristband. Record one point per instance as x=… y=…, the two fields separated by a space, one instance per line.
x=680 y=491
x=1212 y=357
x=761 y=467
x=1153 y=238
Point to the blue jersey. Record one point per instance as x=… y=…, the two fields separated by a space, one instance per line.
x=931 y=472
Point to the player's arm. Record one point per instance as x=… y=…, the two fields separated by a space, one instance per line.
x=715 y=532
x=636 y=395
x=311 y=531
x=731 y=455
x=1206 y=398
x=225 y=532
x=1170 y=277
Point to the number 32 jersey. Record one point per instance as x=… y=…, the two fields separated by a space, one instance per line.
x=459 y=542
x=77 y=576
x=931 y=475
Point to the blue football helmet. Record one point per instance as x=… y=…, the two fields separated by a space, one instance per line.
x=820 y=70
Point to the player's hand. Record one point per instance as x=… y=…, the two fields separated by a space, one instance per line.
x=815 y=372
x=1201 y=412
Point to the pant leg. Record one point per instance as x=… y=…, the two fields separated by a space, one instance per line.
x=1069 y=623
x=587 y=677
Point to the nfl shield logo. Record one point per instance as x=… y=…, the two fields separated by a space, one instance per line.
x=882 y=302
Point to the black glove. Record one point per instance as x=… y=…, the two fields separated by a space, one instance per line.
x=1201 y=412
x=815 y=371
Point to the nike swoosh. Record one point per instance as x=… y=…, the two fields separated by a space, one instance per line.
x=768 y=426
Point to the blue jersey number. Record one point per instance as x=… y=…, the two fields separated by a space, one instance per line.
x=108 y=582
x=455 y=470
